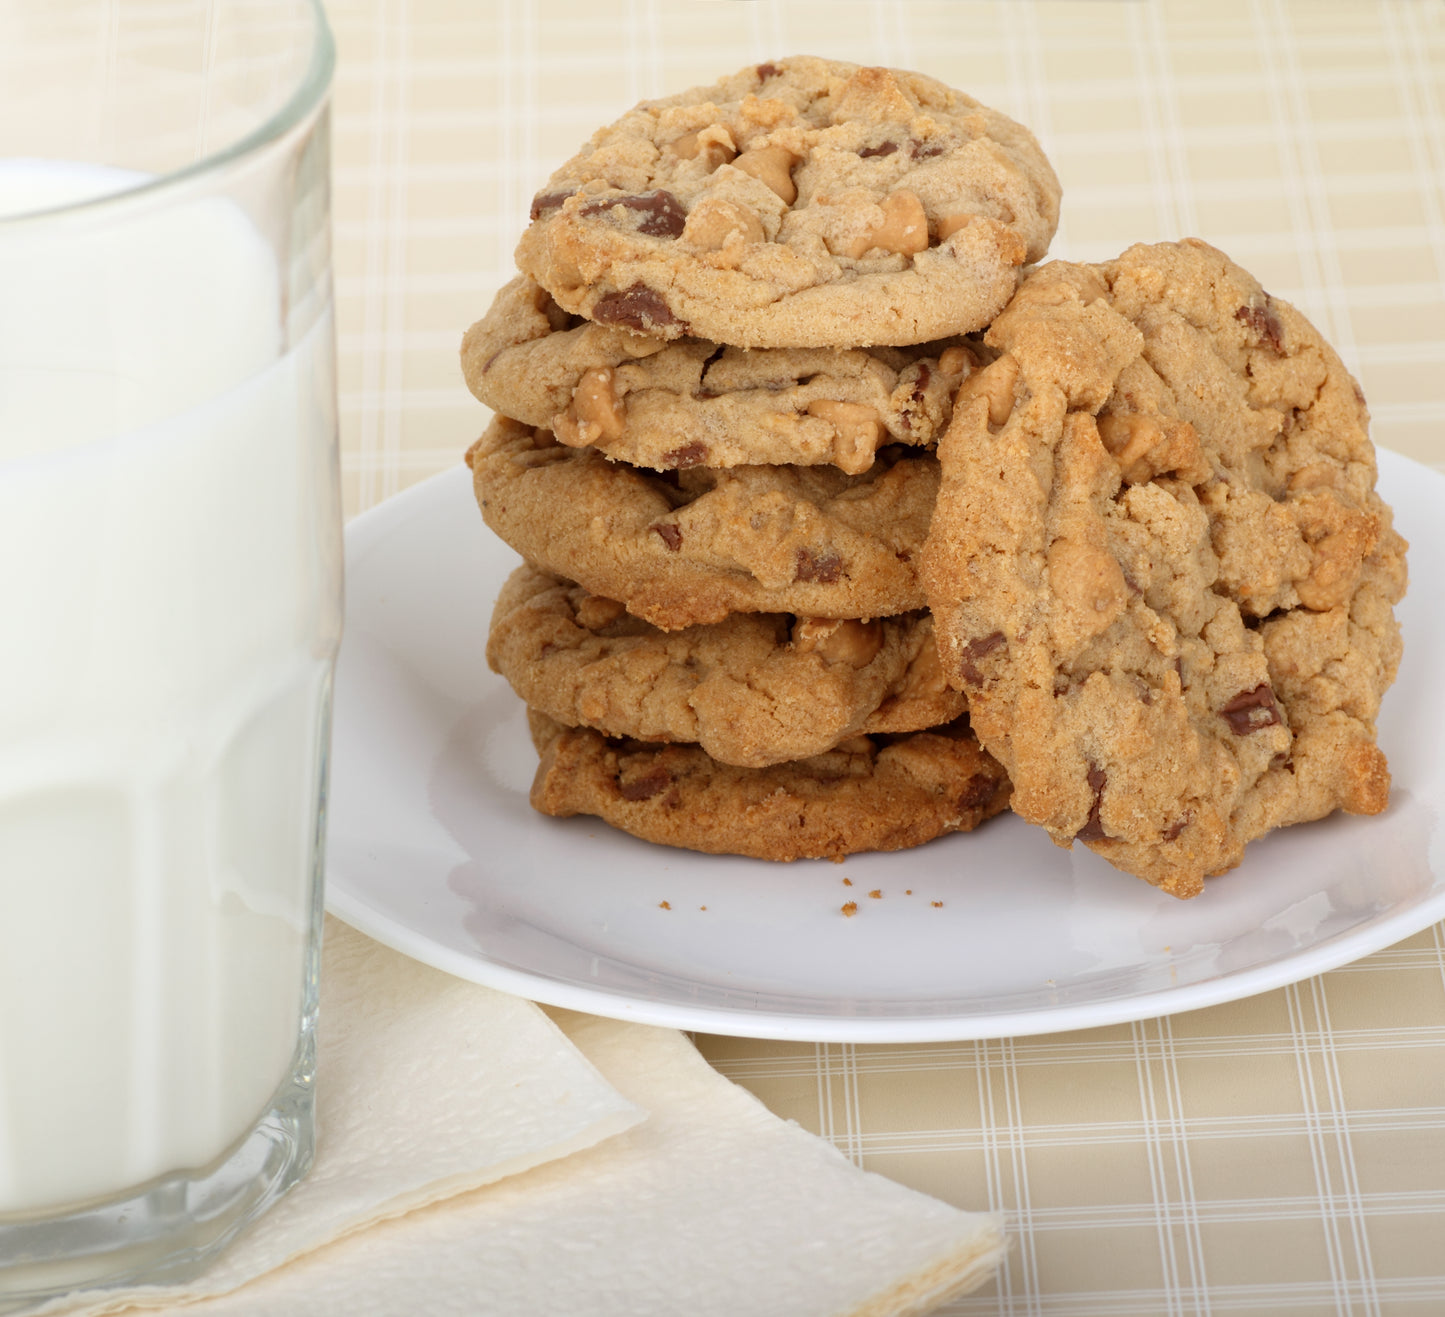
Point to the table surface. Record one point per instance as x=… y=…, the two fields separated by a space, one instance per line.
x=1281 y=1154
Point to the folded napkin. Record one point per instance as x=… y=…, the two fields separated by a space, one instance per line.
x=709 y=1206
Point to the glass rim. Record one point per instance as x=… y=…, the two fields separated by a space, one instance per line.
x=305 y=99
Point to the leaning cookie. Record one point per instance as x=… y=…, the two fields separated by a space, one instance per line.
x=870 y=794
x=752 y=690
x=1159 y=567
x=693 y=546
x=800 y=203
x=694 y=403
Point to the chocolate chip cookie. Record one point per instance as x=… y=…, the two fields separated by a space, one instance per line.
x=695 y=403
x=799 y=203
x=869 y=794
x=1158 y=565
x=751 y=690
x=691 y=546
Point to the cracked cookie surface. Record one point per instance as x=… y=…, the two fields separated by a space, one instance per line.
x=1158 y=565
x=799 y=203
x=691 y=402
x=752 y=690
x=692 y=546
x=870 y=794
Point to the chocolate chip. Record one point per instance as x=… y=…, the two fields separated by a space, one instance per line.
x=662 y=215
x=766 y=71
x=637 y=308
x=652 y=783
x=693 y=454
x=977 y=792
x=883 y=148
x=975 y=650
x=1251 y=711
x=671 y=534
x=825 y=567
x=1261 y=319
x=1171 y=833
x=545 y=201
x=1093 y=829
x=925 y=150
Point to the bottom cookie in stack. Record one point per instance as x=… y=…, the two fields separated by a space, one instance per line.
x=764 y=734
x=871 y=793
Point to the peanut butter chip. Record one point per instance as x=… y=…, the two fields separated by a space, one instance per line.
x=956 y=360
x=903 y=229
x=714 y=145
x=772 y=165
x=595 y=612
x=950 y=224
x=595 y=411
x=1088 y=582
x=1146 y=447
x=716 y=223
x=858 y=430
x=995 y=382
x=845 y=640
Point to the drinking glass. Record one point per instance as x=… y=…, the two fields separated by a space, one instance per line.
x=170 y=608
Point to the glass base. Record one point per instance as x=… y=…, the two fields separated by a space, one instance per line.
x=167 y=1230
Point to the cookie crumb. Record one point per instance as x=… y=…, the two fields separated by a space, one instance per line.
x=850 y=909
x=908 y=891
x=876 y=893
x=664 y=905
x=847 y=882
x=702 y=907
x=938 y=905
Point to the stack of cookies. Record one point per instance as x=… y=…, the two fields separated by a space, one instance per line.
x=719 y=382
x=801 y=457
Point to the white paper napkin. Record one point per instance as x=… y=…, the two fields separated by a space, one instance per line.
x=713 y=1207
x=710 y=1207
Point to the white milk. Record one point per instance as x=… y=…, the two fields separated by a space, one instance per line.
x=168 y=616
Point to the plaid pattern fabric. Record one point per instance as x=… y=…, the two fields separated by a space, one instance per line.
x=1284 y=1154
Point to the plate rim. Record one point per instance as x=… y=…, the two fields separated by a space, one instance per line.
x=362 y=534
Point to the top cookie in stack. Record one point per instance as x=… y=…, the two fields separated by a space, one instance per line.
x=803 y=203
x=737 y=335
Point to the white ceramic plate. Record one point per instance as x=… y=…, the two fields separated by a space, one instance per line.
x=434 y=850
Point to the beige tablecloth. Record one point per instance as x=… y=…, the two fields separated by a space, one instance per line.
x=1282 y=1154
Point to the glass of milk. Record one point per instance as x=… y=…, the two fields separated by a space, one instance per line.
x=170 y=607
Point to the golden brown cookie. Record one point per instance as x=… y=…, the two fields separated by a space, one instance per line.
x=694 y=403
x=692 y=546
x=1159 y=567
x=870 y=794
x=799 y=203
x=752 y=690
